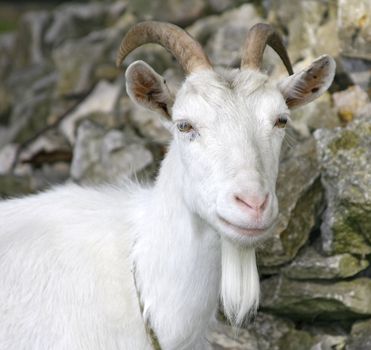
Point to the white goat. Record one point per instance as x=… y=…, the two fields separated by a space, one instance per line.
x=95 y=268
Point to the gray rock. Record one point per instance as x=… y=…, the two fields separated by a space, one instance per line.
x=5 y=106
x=102 y=155
x=327 y=42
x=350 y=102
x=79 y=62
x=28 y=117
x=149 y=124
x=357 y=70
x=360 y=336
x=316 y=115
x=302 y=20
x=263 y=333
x=300 y=196
x=311 y=265
x=7 y=158
x=329 y=342
x=102 y=99
x=303 y=340
x=345 y=158
x=7 y=47
x=31 y=108
x=321 y=301
x=232 y=24
x=11 y=186
x=30 y=48
x=354 y=28
x=175 y=11
x=77 y=20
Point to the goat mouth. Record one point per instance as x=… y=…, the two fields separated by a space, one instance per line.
x=245 y=231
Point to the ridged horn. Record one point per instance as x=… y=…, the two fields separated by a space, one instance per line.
x=258 y=37
x=184 y=48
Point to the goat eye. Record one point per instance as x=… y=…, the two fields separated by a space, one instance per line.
x=280 y=122
x=184 y=127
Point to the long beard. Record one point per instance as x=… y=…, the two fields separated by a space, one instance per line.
x=240 y=287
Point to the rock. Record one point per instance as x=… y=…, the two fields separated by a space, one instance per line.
x=204 y=28
x=317 y=301
x=302 y=20
x=299 y=195
x=318 y=114
x=31 y=90
x=311 y=265
x=149 y=124
x=28 y=117
x=222 y=5
x=354 y=28
x=360 y=336
x=264 y=333
x=107 y=155
x=79 y=62
x=7 y=158
x=268 y=332
x=50 y=147
x=326 y=42
x=174 y=11
x=329 y=342
x=5 y=106
x=11 y=186
x=77 y=20
x=232 y=24
x=345 y=158
x=30 y=48
x=22 y=80
x=358 y=71
x=102 y=99
x=296 y=340
x=350 y=102
x=7 y=45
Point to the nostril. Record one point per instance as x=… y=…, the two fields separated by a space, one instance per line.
x=243 y=202
x=254 y=203
x=265 y=202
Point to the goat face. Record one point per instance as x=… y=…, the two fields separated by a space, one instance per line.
x=228 y=127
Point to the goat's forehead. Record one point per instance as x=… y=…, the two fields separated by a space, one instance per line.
x=212 y=96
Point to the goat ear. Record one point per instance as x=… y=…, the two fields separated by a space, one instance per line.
x=148 y=89
x=308 y=84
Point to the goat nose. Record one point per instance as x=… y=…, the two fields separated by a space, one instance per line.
x=252 y=203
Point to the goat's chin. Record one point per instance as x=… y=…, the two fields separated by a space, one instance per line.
x=240 y=287
x=244 y=241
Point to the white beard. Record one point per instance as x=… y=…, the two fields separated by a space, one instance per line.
x=240 y=287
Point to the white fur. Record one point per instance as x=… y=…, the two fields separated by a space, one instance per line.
x=67 y=255
x=240 y=282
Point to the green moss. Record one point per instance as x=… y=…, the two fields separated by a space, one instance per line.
x=348 y=140
x=35 y=123
x=296 y=340
x=7 y=26
x=349 y=265
x=304 y=213
x=11 y=186
x=351 y=229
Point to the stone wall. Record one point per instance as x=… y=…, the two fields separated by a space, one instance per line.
x=64 y=116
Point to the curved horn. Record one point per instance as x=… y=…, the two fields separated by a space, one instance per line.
x=258 y=37
x=184 y=48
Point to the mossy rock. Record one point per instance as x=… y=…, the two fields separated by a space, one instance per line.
x=11 y=186
x=311 y=265
x=360 y=336
x=304 y=300
x=345 y=158
x=300 y=198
